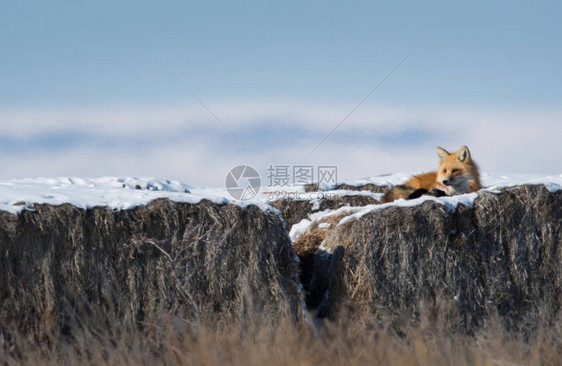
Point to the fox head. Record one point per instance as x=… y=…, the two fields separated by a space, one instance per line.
x=457 y=172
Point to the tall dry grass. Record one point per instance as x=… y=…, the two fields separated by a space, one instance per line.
x=105 y=297
x=173 y=340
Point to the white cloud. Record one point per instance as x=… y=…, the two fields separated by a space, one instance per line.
x=186 y=143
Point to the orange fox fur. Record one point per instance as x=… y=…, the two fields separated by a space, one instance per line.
x=457 y=174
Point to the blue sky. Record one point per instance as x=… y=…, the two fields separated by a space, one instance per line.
x=66 y=66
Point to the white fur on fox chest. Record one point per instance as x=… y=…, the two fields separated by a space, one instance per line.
x=460 y=185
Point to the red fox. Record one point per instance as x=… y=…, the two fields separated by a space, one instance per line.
x=457 y=174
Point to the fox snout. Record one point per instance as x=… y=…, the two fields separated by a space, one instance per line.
x=448 y=182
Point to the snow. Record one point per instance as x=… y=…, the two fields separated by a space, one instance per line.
x=113 y=192
x=382 y=180
x=304 y=225
x=450 y=203
x=128 y=192
x=354 y=213
x=491 y=182
x=494 y=182
x=299 y=229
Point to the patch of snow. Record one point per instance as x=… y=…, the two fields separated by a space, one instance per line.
x=324 y=225
x=128 y=192
x=112 y=192
x=450 y=203
x=315 y=204
x=390 y=180
x=348 y=192
x=299 y=229
x=297 y=193
x=491 y=182
x=304 y=225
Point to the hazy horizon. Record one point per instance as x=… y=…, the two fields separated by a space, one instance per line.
x=83 y=96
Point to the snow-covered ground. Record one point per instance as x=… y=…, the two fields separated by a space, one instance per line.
x=490 y=182
x=353 y=213
x=124 y=193
x=118 y=193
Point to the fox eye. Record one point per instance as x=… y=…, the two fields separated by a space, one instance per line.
x=444 y=170
x=455 y=170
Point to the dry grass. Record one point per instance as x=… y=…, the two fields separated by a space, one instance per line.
x=306 y=247
x=172 y=340
x=293 y=211
x=58 y=263
x=216 y=285
x=500 y=257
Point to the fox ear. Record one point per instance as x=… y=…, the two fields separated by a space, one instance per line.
x=463 y=154
x=442 y=154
